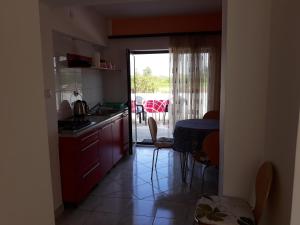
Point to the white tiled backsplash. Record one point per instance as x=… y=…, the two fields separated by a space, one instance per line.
x=86 y=81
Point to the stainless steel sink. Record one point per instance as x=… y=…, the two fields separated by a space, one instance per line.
x=105 y=112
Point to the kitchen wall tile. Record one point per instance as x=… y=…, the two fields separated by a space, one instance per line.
x=88 y=82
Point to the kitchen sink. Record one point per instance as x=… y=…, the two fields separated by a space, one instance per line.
x=97 y=119
x=105 y=112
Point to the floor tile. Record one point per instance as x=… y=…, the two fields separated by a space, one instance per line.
x=107 y=188
x=129 y=183
x=100 y=218
x=165 y=184
x=143 y=208
x=136 y=220
x=144 y=190
x=128 y=196
x=114 y=205
x=165 y=221
x=171 y=210
x=90 y=203
x=73 y=217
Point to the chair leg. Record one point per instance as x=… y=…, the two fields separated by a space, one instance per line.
x=153 y=162
x=203 y=179
x=143 y=114
x=156 y=157
x=192 y=174
x=145 y=117
x=183 y=165
x=186 y=165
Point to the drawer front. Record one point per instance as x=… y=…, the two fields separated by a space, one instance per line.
x=89 y=138
x=89 y=155
x=89 y=180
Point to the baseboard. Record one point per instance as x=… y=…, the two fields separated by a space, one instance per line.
x=59 y=210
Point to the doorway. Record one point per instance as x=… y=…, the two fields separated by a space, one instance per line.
x=150 y=93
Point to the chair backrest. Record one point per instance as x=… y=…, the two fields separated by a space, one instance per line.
x=211 y=147
x=213 y=115
x=153 y=128
x=139 y=100
x=264 y=179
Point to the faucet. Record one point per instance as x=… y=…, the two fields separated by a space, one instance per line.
x=95 y=108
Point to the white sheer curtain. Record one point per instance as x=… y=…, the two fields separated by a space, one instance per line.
x=195 y=68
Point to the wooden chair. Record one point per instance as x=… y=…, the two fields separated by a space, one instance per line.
x=212 y=115
x=158 y=143
x=209 y=154
x=234 y=211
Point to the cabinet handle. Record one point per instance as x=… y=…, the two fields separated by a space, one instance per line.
x=84 y=149
x=91 y=170
x=83 y=139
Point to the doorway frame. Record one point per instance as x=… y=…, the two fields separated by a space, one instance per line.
x=128 y=53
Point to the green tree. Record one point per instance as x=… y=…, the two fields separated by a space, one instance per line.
x=147 y=71
x=148 y=83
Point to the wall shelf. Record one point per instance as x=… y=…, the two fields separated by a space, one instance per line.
x=93 y=68
x=103 y=68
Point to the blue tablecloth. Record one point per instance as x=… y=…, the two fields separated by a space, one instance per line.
x=189 y=134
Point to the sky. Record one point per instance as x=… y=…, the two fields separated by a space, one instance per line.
x=159 y=63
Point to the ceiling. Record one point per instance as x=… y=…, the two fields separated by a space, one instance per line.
x=138 y=8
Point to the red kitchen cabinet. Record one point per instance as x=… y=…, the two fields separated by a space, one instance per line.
x=105 y=148
x=117 y=140
x=125 y=134
x=79 y=165
x=85 y=159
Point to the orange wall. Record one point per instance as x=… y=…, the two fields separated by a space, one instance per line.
x=166 y=24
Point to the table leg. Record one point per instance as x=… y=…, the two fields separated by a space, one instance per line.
x=184 y=165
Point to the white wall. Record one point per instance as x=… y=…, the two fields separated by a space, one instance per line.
x=283 y=108
x=244 y=92
x=116 y=52
x=49 y=85
x=25 y=184
x=262 y=87
x=80 y=24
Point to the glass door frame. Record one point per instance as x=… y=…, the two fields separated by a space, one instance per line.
x=129 y=53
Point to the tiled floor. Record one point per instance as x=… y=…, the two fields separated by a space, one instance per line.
x=127 y=196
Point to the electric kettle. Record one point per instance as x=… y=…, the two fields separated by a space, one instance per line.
x=80 y=109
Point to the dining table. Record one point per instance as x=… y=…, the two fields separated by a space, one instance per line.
x=188 y=137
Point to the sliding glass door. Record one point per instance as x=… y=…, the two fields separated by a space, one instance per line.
x=150 y=93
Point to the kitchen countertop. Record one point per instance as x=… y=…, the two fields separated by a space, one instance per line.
x=97 y=121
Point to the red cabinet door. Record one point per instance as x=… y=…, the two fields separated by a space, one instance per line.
x=125 y=134
x=78 y=159
x=105 y=148
x=117 y=140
